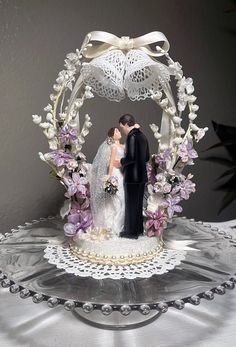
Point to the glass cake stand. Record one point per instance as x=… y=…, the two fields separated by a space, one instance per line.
x=122 y=303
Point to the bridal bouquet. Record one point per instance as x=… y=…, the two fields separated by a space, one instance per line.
x=111 y=184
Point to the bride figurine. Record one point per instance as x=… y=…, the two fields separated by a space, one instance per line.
x=108 y=210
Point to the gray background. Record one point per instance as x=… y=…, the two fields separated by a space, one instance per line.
x=35 y=37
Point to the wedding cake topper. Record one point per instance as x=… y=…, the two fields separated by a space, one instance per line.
x=116 y=68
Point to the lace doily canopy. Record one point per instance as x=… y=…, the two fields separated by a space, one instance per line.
x=125 y=67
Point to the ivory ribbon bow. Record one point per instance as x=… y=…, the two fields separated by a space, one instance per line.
x=110 y=41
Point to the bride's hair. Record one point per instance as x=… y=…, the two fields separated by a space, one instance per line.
x=110 y=135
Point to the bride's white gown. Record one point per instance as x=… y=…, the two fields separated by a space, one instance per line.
x=108 y=211
x=115 y=211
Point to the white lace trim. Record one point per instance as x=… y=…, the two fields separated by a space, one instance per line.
x=60 y=255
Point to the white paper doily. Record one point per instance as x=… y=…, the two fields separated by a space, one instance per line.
x=60 y=255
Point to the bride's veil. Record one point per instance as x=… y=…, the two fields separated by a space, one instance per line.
x=98 y=196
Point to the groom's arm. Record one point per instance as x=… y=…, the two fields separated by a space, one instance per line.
x=130 y=152
x=147 y=153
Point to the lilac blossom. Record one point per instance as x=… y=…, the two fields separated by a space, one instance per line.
x=154 y=222
x=161 y=185
x=59 y=157
x=150 y=172
x=200 y=134
x=171 y=203
x=187 y=153
x=68 y=135
x=76 y=207
x=76 y=185
x=184 y=189
x=162 y=158
x=78 y=223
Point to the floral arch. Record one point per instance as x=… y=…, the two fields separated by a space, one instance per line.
x=116 y=68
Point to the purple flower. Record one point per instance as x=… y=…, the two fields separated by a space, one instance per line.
x=78 y=223
x=59 y=157
x=76 y=207
x=187 y=153
x=154 y=222
x=161 y=185
x=69 y=229
x=150 y=172
x=162 y=158
x=68 y=135
x=184 y=189
x=171 y=203
x=113 y=180
x=76 y=184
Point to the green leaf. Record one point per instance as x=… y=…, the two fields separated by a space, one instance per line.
x=54 y=174
x=227 y=200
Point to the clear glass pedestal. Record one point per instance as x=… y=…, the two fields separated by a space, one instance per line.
x=123 y=303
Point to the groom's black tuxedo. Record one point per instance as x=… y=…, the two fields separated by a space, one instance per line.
x=137 y=154
x=135 y=177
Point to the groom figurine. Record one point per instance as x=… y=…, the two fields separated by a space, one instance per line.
x=133 y=166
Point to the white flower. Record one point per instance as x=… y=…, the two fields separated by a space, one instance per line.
x=190 y=88
x=50 y=133
x=36 y=119
x=157 y=135
x=60 y=79
x=49 y=117
x=181 y=106
x=171 y=110
x=78 y=103
x=178 y=140
x=155 y=96
x=45 y=125
x=195 y=108
x=62 y=115
x=87 y=116
x=153 y=202
x=41 y=156
x=192 y=98
x=65 y=209
x=192 y=116
x=72 y=164
x=164 y=102
x=154 y=127
x=180 y=131
x=200 y=134
x=81 y=140
x=84 y=132
x=166 y=188
x=56 y=87
x=185 y=83
x=52 y=97
x=88 y=94
x=177 y=120
x=52 y=144
x=194 y=127
x=175 y=67
x=72 y=56
x=88 y=124
x=48 y=108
